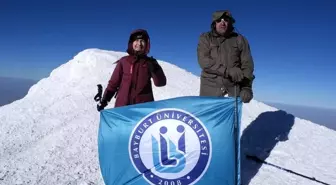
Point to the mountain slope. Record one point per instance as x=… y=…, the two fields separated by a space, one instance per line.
x=50 y=136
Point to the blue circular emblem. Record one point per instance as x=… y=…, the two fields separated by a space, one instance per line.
x=170 y=147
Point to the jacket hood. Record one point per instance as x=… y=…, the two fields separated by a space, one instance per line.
x=221 y=14
x=144 y=34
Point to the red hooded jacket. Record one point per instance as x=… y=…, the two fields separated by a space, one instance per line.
x=131 y=78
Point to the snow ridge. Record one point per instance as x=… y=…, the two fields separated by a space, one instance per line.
x=50 y=136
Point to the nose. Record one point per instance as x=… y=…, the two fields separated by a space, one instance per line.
x=222 y=21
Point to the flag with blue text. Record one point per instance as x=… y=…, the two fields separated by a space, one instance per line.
x=178 y=141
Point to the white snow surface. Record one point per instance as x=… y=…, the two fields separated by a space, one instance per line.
x=50 y=136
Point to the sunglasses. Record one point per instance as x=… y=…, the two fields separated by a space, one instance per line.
x=226 y=19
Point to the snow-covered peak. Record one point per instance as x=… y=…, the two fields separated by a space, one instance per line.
x=50 y=136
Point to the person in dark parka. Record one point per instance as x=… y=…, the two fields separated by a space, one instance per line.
x=225 y=59
x=131 y=78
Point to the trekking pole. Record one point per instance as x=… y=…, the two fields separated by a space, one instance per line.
x=99 y=94
x=235 y=130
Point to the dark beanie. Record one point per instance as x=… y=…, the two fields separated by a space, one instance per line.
x=139 y=36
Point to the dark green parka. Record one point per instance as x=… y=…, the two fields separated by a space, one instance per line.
x=217 y=55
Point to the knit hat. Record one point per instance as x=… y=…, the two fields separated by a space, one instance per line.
x=139 y=35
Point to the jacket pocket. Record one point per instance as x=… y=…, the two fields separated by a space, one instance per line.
x=234 y=57
x=208 y=79
x=208 y=75
x=143 y=77
x=142 y=98
x=214 y=51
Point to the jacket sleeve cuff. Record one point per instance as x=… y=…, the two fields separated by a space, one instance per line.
x=246 y=83
x=222 y=70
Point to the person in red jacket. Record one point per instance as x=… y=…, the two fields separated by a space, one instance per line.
x=131 y=78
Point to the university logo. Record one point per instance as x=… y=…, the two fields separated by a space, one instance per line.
x=170 y=147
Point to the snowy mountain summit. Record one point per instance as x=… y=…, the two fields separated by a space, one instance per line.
x=50 y=136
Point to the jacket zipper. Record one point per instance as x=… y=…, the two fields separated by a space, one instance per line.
x=223 y=62
x=131 y=70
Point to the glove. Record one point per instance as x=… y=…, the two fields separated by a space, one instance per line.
x=236 y=74
x=246 y=94
x=101 y=105
x=152 y=65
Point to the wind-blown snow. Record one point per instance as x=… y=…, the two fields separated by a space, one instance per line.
x=50 y=136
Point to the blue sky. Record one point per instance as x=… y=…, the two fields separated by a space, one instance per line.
x=292 y=42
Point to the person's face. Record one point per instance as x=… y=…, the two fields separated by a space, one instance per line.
x=221 y=25
x=139 y=45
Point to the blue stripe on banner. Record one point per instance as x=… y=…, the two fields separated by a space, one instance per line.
x=178 y=141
